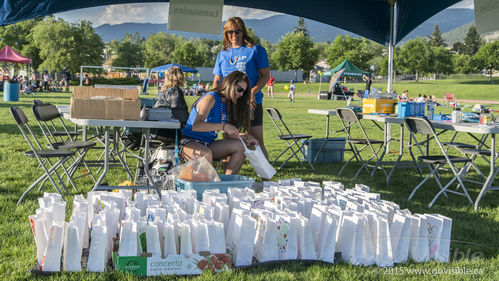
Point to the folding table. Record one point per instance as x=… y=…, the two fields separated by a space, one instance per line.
x=117 y=124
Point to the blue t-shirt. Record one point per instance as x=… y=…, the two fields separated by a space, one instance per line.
x=245 y=59
x=218 y=114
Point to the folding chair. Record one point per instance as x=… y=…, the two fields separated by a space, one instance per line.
x=290 y=138
x=43 y=156
x=53 y=130
x=348 y=119
x=45 y=114
x=449 y=97
x=422 y=126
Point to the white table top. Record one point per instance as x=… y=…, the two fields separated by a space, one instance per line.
x=445 y=125
x=165 y=124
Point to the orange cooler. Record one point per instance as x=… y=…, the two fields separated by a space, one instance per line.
x=385 y=106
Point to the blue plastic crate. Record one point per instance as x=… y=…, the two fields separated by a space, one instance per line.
x=408 y=109
x=227 y=181
x=333 y=151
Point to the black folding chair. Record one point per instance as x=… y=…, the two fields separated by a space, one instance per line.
x=291 y=139
x=43 y=156
x=349 y=119
x=422 y=126
x=45 y=114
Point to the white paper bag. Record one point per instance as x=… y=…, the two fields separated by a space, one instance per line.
x=306 y=248
x=439 y=233
x=52 y=256
x=40 y=236
x=384 y=253
x=169 y=240
x=128 y=239
x=287 y=238
x=152 y=237
x=400 y=232
x=217 y=237
x=346 y=237
x=98 y=245
x=259 y=162
x=243 y=240
x=202 y=237
x=266 y=246
x=418 y=245
x=72 y=253
x=185 y=240
x=326 y=239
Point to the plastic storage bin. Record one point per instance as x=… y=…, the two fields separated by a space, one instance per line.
x=333 y=151
x=227 y=181
x=10 y=91
x=409 y=109
x=374 y=106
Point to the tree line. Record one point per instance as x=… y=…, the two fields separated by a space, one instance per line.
x=53 y=44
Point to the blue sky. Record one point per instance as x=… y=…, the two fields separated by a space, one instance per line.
x=158 y=13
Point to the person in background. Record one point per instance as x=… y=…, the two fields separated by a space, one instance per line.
x=46 y=80
x=368 y=82
x=172 y=96
x=405 y=95
x=239 y=52
x=226 y=109
x=66 y=79
x=292 y=90
x=419 y=98
x=270 y=87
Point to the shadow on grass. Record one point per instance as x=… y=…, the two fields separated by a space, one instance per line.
x=479 y=82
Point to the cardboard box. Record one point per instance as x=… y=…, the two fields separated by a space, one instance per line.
x=385 y=106
x=172 y=264
x=105 y=103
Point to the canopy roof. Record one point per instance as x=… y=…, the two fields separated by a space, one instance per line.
x=167 y=66
x=350 y=70
x=368 y=18
x=7 y=54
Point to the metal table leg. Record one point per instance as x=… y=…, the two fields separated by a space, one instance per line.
x=493 y=171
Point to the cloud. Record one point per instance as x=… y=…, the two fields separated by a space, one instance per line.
x=147 y=13
x=465 y=4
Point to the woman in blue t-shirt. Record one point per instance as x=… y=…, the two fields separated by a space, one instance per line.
x=225 y=109
x=239 y=52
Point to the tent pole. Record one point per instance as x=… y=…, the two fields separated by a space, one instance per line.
x=320 y=84
x=390 y=48
x=81 y=75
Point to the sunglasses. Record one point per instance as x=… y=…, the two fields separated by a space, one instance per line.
x=240 y=90
x=237 y=31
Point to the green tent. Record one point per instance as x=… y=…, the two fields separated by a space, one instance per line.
x=350 y=70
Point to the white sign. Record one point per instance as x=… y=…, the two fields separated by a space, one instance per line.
x=486 y=15
x=204 y=16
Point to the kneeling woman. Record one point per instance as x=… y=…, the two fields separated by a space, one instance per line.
x=225 y=108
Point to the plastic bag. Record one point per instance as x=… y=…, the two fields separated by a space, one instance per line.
x=197 y=170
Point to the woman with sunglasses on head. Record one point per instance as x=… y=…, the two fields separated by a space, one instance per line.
x=225 y=109
x=239 y=52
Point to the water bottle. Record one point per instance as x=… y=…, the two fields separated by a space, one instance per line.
x=366 y=94
x=430 y=110
x=457 y=115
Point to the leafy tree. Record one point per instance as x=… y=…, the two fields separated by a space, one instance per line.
x=415 y=57
x=252 y=34
x=203 y=51
x=129 y=51
x=321 y=48
x=159 y=48
x=271 y=49
x=457 y=47
x=436 y=39
x=357 y=51
x=187 y=55
x=397 y=63
x=128 y=55
x=19 y=36
x=294 y=52
x=472 y=41
x=441 y=60
x=462 y=64
x=301 y=27
x=67 y=45
x=488 y=57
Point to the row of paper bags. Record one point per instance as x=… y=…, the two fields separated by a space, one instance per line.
x=290 y=219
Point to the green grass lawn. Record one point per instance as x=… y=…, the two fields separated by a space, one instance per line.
x=475 y=243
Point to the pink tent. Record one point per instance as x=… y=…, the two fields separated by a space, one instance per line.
x=7 y=54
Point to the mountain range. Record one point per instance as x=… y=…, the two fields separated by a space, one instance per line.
x=447 y=20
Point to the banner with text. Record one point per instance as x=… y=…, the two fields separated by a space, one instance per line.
x=203 y=16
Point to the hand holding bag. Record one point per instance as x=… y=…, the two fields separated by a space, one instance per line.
x=259 y=162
